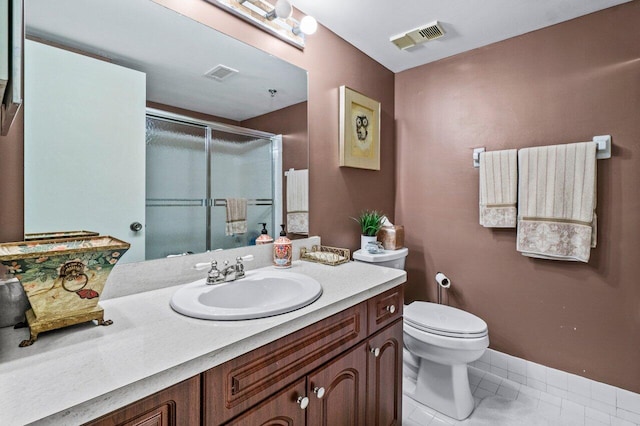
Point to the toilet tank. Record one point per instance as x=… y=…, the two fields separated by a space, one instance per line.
x=389 y=258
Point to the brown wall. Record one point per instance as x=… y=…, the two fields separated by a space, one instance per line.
x=335 y=193
x=12 y=182
x=291 y=123
x=562 y=84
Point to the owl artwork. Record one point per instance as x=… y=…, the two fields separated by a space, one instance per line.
x=362 y=133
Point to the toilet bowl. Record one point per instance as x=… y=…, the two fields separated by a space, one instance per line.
x=442 y=341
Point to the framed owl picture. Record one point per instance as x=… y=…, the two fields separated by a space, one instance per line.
x=359 y=130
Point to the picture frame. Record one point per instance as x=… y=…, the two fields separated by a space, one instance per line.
x=359 y=130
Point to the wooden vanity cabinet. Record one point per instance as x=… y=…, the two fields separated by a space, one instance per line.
x=241 y=383
x=343 y=370
x=355 y=388
x=348 y=367
x=339 y=397
x=176 y=405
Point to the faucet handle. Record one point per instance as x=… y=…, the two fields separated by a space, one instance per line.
x=205 y=265
x=213 y=275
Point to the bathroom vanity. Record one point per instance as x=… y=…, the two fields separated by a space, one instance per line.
x=340 y=356
x=345 y=369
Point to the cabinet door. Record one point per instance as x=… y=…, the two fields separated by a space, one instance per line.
x=384 y=381
x=238 y=385
x=177 y=405
x=286 y=408
x=337 y=391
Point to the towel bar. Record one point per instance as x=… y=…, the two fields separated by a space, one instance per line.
x=222 y=202
x=603 y=149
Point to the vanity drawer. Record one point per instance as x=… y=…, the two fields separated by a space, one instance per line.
x=385 y=308
x=236 y=385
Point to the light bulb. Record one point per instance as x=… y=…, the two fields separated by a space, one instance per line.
x=283 y=9
x=308 y=25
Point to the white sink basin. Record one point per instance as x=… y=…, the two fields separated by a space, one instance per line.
x=261 y=293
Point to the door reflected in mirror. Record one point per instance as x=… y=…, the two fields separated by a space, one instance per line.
x=92 y=68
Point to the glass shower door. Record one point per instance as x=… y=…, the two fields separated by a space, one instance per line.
x=176 y=184
x=241 y=167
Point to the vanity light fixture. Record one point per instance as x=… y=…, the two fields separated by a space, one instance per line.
x=308 y=25
x=282 y=9
x=274 y=18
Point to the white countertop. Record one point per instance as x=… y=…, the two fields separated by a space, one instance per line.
x=73 y=375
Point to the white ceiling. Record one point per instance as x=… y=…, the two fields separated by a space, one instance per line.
x=468 y=24
x=174 y=51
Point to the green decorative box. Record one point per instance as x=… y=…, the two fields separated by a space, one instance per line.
x=62 y=278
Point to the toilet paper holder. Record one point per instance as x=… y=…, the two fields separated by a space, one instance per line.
x=443 y=282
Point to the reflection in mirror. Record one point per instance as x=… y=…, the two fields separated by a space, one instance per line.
x=98 y=158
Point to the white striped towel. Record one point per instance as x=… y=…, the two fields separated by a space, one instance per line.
x=498 y=188
x=236 y=216
x=298 y=201
x=556 y=201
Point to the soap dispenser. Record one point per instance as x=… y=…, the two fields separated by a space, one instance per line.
x=282 y=251
x=264 y=237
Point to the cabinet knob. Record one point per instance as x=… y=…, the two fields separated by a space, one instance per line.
x=375 y=352
x=136 y=226
x=391 y=309
x=303 y=402
x=319 y=392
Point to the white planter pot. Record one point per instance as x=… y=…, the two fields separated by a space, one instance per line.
x=364 y=239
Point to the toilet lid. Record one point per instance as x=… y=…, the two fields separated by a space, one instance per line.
x=444 y=320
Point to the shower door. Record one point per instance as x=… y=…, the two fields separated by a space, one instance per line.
x=176 y=179
x=192 y=169
x=241 y=167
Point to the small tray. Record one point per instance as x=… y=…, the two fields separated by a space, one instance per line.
x=326 y=255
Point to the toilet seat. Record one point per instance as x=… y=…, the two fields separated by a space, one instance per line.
x=444 y=321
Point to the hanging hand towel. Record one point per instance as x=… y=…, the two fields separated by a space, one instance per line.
x=498 y=188
x=556 y=201
x=236 y=216
x=298 y=201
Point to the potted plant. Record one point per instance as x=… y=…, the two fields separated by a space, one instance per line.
x=370 y=222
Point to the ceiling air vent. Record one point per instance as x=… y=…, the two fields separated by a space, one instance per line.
x=220 y=72
x=418 y=35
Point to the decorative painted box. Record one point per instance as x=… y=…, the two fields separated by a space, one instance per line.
x=62 y=278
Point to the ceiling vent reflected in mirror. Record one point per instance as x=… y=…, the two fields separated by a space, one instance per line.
x=220 y=72
x=418 y=35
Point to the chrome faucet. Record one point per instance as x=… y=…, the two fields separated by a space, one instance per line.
x=228 y=273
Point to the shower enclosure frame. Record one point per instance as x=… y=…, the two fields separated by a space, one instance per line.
x=210 y=127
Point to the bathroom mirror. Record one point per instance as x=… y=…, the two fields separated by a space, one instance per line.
x=190 y=69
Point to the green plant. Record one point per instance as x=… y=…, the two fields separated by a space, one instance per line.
x=370 y=222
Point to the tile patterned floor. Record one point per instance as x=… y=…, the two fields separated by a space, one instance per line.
x=553 y=409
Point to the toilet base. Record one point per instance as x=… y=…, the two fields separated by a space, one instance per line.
x=445 y=388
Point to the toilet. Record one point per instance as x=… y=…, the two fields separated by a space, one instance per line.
x=439 y=342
